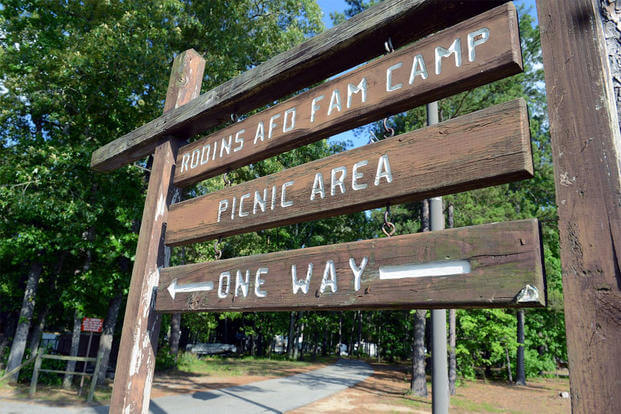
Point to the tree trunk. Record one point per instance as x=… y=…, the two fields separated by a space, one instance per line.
x=290 y=338
x=359 y=333
x=37 y=331
x=452 y=354
x=418 y=385
x=8 y=332
x=508 y=365
x=521 y=371
x=350 y=348
x=21 y=333
x=107 y=335
x=75 y=342
x=175 y=333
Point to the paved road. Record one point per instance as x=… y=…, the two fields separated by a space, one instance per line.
x=270 y=396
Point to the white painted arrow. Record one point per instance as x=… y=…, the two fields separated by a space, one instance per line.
x=174 y=288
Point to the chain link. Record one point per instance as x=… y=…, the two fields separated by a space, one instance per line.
x=387 y=227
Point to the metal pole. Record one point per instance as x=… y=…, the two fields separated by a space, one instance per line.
x=439 y=375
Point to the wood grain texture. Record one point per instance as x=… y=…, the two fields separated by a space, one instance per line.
x=480 y=149
x=330 y=108
x=355 y=41
x=136 y=361
x=585 y=145
x=503 y=258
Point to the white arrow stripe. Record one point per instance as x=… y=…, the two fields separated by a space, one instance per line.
x=431 y=269
x=174 y=288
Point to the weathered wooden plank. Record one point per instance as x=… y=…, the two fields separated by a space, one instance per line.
x=136 y=361
x=344 y=46
x=484 y=148
x=68 y=358
x=480 y=266
x=486 y=48
x=586 y=148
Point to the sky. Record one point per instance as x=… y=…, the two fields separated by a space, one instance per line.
x=329 y=6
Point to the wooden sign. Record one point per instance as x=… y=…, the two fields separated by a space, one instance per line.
x=475 y=52
x=92 y=325
x=491 y=265
x=484 y=148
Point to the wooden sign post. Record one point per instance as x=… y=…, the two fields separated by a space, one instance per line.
x=586 y=146
x=136 y=361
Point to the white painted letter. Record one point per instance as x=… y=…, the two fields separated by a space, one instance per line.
x=258 y=282
x=383 y=170
x=273 y=202
x=233 y=209
x=259 y=201
x=357 y=271
x=260 y=132
x=355 y=175
x=315 y=107
x=418 y=68
x=329 y=277
x=226 y=145
x=205 y=159
x=442 y=53
x=184 y=161
x=223 y=294
x=196 y=155
x=222 y=206
x=472 y=43
x=272 y=125
x=389 y=85
x=242 y=213
x=283 y=195
x=352 y=89
x=239 y=140
x=301 y=284
x=340 y=182
x=335 y=101
x=318 y=187
x=286 y=128
x=241 y=284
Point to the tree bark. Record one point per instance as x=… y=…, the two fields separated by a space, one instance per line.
x=452 y=353
x=418 y=385
x=508 y=365
x=75 y=342
x=175 y=333
x=25 y=316
x=520 y=368
x=359 y=333
x=7 y=333
x=107 y=335
x=290 y=337
x=37 y=330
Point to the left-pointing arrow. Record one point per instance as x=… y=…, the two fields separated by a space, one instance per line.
x=174 y=288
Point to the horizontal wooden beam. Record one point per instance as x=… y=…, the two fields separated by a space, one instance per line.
x=355 y=41
x=491 y=265
x=484 y=148
x=486 y=48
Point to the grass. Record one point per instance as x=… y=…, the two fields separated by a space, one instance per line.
x=480 y=407
x=231 y=367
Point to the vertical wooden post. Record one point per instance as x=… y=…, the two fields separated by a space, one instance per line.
x=91 y=390
x=35 y=375
x=136 y=360
x=586 y=142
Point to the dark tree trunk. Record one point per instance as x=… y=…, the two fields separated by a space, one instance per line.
x=175 y=333
x=350 y=348
x=10 y=323
x=107 y=335
x=359 y=332
x=290 y=338
x=75 y=342
x=418 y=385
x=25 y=316
x=37 y=330
x=452 y=354
x=521 y=371
x=508 y=365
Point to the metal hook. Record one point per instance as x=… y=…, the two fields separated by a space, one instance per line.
x=388 y=45
x=373 y=137
x=216 y=248
x=389 y=130
x=234 y=118
x=227 y=180
x=387 y=227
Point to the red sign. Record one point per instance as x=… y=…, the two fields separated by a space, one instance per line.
x=92 y=325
